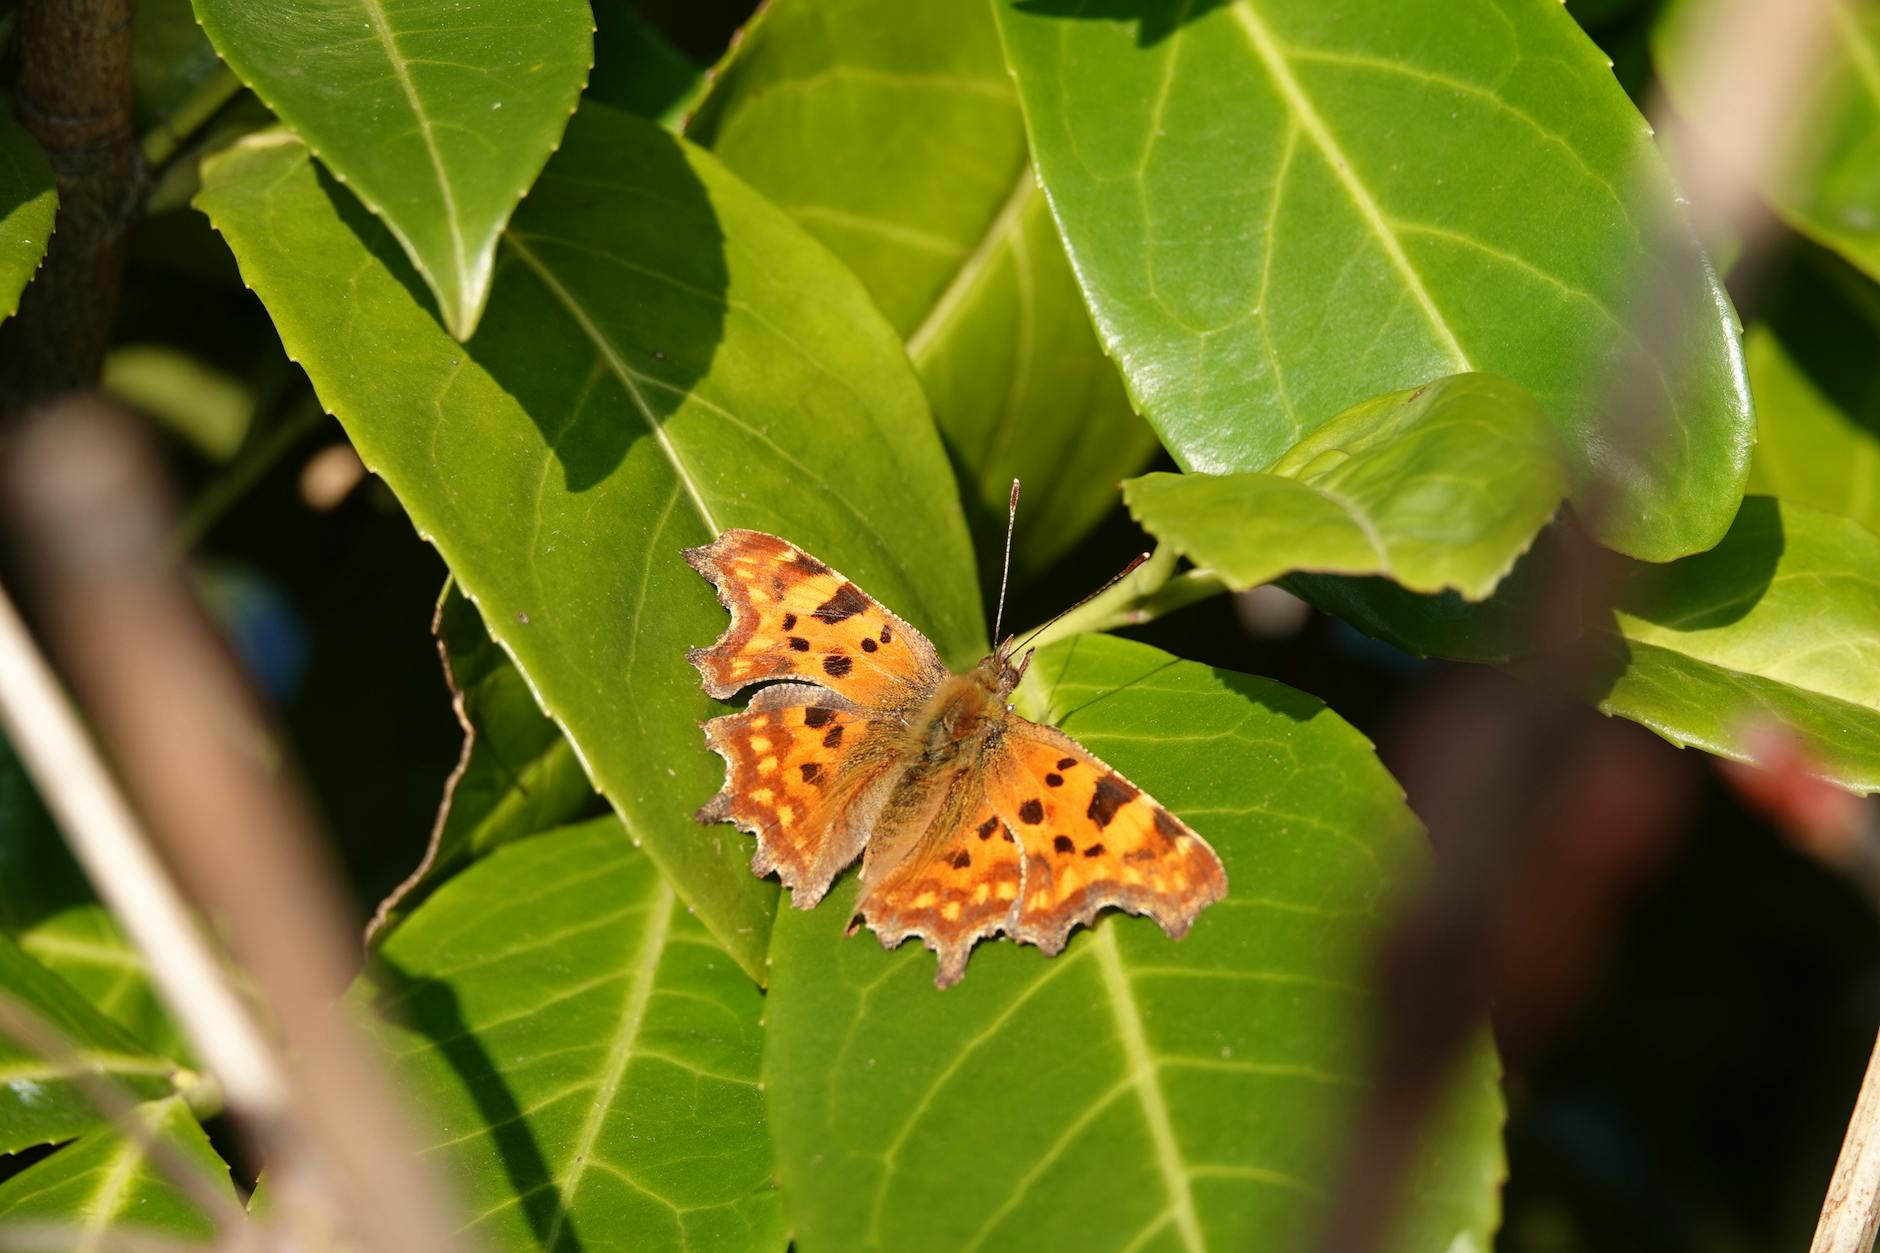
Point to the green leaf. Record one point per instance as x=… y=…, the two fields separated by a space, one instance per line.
x=1777 y=629
x=170 y=58
x=890 y=129
x=1440 y=487
x=1826 y=181
x=1812 y=367
x=438 y=124
x=519 y=775
x=40 y=1101
x=1278 y=208
x=28 y=200
x=636 y=69
x=1145 y=1093
x=106 y=1188
x=665 y=355
x=587 y=1055
x=48 y=908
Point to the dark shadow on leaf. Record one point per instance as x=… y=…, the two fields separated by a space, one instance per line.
x=609 y=299
x=38 y=877
x=610 y=294
x=1158 y=18
x=1826 y=316
x=1715 y=588
x=431 y=1008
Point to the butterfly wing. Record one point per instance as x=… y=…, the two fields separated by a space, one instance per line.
x=792 y=617
x=1090 y=838
x=960 y=884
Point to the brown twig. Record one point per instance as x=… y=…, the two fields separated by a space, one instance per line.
x=1850 y=1217
x=74 y=97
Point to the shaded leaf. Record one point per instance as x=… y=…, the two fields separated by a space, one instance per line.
x=890 y=129
x=1777 y=629
x=1133 y=1092
x=170 y=58
x=106 y=1188
x=518 y=775
x=586 y=1053
x=1826 y=181
x=438 y=124
x=1280 y=207
x=665 y=355
x=1814 y=366
x=636 y=69
x=48 y=908
x=40 y=1101
x=28 y=200
x=1440 y=487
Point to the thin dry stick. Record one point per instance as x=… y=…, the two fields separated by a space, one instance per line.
x=1850 y=1217
x=109 y=844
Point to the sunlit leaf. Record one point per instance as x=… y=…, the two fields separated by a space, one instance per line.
x=585 y=1055
x=106 y=1189
x=1133 y=1092
x=890 y=129
x=665 y=355
x=1773 y=633
x=1278 y=208
x=28 y=200
x=40 y=1099
x=1440 y=487
x=438 y=123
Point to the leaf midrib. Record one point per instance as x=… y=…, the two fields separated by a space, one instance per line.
x=1300 y=105
x=381 y=29
x=620 y=1053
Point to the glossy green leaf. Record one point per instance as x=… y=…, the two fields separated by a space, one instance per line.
x=28 y=200
x=636 y=69
x=1133 y=1092
x=1814 y=366
x=48 y=908
x=1440 y=487
x=890 y=129
x=40 y=1101
x=1278 y=208
x=1826 y=182
x=1776 y=630
x=106 y=1188
x=519 y=775
x=665 y=355
x=438 y=123
x=1809 y=450
x=587 y=1056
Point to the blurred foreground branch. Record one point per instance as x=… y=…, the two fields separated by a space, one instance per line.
x=194 y=745
x=1850 y=1217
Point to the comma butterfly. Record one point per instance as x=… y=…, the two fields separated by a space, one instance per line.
x=969 y=819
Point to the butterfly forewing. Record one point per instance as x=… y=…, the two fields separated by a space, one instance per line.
x=792 y=617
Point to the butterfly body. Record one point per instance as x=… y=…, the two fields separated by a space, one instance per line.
x=970 y=819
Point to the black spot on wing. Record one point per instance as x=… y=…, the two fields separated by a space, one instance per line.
x=1063 y=844
x=799 y=644
x=987 y=827
x=808 y=564
x=816 y=716
x=789 y=622
x=833 y=736
x=846 y=603
x=1095 y=850
x=812 y=770
x=962 y=859
x=1064 y=763
x=1111 y=795
x=1031 y=812
x=835 y=665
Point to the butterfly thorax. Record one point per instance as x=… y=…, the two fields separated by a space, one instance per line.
x=964 y=716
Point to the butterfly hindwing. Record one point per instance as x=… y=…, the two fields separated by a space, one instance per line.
x=792 y=617
x=805 y=773
x=961 y=885
x=1091 y=838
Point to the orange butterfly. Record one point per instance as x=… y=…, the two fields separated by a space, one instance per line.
x=969 y=819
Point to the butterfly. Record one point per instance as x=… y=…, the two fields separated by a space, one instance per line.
x=969 y=819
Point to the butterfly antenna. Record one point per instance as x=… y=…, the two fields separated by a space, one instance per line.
x=1114 y=579
x=1011 y=519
